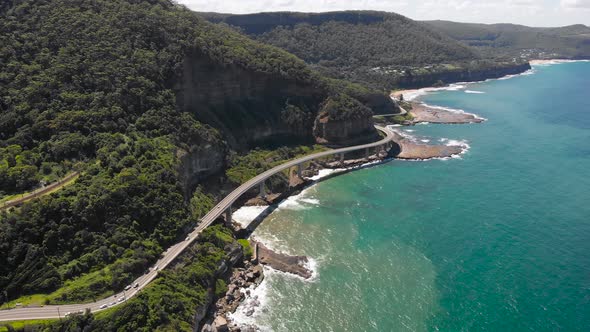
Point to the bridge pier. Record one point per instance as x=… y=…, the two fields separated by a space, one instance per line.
x=262 y=190
x=341 y=157
x=300 y=171
x=367 y=152
x=228 y=216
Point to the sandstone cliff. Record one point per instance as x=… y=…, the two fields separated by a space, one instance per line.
x=199 y=162
x=253 y=108
x=344 y=121
x=248 y=107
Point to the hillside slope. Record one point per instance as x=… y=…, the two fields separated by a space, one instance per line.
x=510 y=40
x=147 y=100
x=380 y=49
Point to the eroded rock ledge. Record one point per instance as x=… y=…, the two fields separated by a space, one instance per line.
x=416 y=151
x=423 y=113
x=283 y=262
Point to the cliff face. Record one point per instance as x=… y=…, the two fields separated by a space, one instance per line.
x=343 y=132
x=199 y=162
x=344 y=121
x=254 y=108
x=463 y=75
x=250 y=108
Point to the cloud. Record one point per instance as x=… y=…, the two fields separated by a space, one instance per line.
x=575 y=4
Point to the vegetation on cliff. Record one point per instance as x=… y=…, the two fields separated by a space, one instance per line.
x=92 y=84
x=382 y=50
x=510 y=40
x=171 y=301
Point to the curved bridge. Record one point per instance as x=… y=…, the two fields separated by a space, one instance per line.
x=223 y=207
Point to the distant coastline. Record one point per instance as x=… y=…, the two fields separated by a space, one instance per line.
x=554 y=61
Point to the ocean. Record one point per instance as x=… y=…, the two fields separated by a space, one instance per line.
x=496 y=240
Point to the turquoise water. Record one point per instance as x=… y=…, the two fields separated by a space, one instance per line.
x=496 y=241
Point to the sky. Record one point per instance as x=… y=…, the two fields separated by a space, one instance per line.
x=526 y=12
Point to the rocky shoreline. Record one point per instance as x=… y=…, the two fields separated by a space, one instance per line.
x=283 y=262
x=241 y=279
x=411 y=150
x=250 y=273
x=423 y=113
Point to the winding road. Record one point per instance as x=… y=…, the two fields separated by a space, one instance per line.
x=224 y=206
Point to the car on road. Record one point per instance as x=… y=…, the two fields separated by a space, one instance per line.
x=128 y=287
x=104 y=306
x=122 y=298
x=112 y=303
x=136 y=285
x=187 y=238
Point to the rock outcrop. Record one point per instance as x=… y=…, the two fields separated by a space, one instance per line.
x=283 y=262
x=423 y=113
x=344 y=121
x=252 y=108
x=199 y=162
x=245 y=105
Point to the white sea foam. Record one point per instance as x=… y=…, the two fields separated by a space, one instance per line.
x=454 y=110
x=474 y=92
x=414 y=94
x=425 y=140
x=260 y=300
x=507 y=77
x=544 y=63
x=462 y=143
x=405 y=135
x=298 y=202
x=255 y=304
x=409 y=130
x=322 y=173
x=246 y=214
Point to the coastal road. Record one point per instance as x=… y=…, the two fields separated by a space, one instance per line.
x=58 y=311
x=402 y=112
x=40 y=192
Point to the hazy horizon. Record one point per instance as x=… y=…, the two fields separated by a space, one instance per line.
x=543 y=13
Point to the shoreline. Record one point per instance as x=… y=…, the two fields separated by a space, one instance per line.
x=545 y=62
x=415 y=93
x=303 y=268
x=411 y=149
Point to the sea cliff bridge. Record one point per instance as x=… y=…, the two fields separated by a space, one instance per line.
x=223 y=208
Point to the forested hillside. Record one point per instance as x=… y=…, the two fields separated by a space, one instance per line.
x=352 y=39
x=380 y=49
x=510 y=40
x=146 y=100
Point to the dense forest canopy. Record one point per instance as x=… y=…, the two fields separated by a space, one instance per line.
x=351 y=39
x=382 y=50
x=92 y=86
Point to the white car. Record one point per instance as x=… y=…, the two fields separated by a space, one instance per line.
x=104 y=306
x=128 y=287
x=113 y=303
x=122 y=298
x=136 y=285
